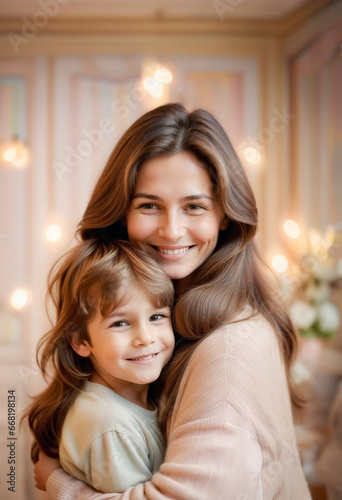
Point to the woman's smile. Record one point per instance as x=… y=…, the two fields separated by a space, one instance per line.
x=172 y=253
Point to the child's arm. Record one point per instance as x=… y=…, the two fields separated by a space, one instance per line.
x=115 y=461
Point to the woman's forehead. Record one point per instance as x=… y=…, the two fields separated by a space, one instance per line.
x=182 y=172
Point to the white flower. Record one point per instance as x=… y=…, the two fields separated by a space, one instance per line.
x=302 y=314
x=328 y=317
x=300 y=372
x=317 y=293
x=324 y=269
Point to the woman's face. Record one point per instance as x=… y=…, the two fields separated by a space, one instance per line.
x=175 y=213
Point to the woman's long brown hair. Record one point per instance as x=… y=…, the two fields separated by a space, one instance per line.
x=234 y=275
x=94 y=274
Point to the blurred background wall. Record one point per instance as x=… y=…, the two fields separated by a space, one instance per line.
x=74 y=74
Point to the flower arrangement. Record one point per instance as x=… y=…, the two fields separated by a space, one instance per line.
x=314 y=278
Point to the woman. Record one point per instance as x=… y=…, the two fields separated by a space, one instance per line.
x=174 y=187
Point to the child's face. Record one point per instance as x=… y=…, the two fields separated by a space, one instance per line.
x=132 y=345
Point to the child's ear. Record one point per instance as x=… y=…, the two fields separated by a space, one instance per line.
x=80 y=346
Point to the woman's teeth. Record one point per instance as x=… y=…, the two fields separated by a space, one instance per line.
x=176 y=251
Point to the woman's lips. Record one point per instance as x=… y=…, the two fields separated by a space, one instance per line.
x=172 y=253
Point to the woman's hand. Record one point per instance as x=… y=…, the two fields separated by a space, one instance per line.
x=43 y=468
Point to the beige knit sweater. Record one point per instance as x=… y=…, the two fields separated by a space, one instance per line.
x=231 y=435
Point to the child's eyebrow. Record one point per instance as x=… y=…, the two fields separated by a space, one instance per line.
x=114 y=314
x=123 y=312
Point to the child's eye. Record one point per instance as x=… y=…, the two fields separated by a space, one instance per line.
x=156 y=317
x=119 y=324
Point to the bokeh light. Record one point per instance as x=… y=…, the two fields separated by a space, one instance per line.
x=252 y=155
x=16 y=153
x=280 y=263
x=53 y=233
x=292 y=229
x=163 y=75
x=19 y=298
x=153 y=87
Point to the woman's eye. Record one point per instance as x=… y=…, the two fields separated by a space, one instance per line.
x=195 y=207
x=148 y=206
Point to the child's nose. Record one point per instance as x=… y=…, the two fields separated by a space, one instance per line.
x=143 y=336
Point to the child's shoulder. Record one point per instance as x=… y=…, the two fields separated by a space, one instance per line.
x=97 y=409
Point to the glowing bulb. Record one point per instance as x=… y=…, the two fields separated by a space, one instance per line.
x=153 y=87
x=16 y=154
x=9 y=154
x=53 y=233
x=291 y=228
x=280 y=263
x=21 y=158
x=252 y=155
x=163 y=75
x=19 y=299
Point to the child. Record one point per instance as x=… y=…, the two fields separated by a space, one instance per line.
x=112 y=337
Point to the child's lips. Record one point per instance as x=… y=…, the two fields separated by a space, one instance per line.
x=145 y=357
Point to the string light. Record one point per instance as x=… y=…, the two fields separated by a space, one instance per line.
x=19 y=298
x=16 y=153
x=280 y=263
x=153 y=87
x=252 y=155
x=53 y=233
x=292 y=229
x=163 y=75
x=9 y=154
x=154 y=84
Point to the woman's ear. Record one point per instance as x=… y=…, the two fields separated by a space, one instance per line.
x=224 y=223
x=81 y=347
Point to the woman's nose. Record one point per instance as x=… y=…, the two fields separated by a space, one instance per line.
x=171 y=227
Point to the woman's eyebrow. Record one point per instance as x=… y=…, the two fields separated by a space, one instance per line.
x=191 y=197
x=198 y=196
x=146 y=195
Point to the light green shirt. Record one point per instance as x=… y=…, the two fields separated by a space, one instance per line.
x=109 y=442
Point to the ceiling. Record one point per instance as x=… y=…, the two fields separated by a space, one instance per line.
x=144 y=9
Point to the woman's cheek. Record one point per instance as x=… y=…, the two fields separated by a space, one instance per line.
x=138 y=228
